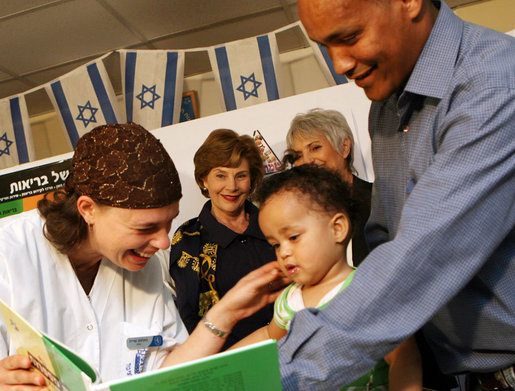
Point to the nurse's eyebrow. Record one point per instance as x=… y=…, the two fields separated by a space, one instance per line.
x=144 y=224
x=152 y=224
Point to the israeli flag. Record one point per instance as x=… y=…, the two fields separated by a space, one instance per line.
x=16 y=145
x=152 y=86
x=324 y=61
x=84 y=99
x=247 y=71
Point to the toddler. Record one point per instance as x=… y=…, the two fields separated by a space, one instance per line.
x=306 y=215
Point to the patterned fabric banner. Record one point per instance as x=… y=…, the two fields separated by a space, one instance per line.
x=324 y=61
x=247 y=71
x=84 y=99
x=16 y=145
x=152 y=86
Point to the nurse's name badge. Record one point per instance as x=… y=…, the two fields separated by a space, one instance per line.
x=144 y=342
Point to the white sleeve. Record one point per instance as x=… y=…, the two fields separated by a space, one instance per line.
x=174 y=331
x=5 y=295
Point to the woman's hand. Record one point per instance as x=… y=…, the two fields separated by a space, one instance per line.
x=257 y=289
x=15 y=375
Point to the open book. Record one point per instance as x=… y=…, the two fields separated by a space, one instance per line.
x=251 y=368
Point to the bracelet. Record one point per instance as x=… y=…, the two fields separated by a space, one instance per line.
x=211 y=327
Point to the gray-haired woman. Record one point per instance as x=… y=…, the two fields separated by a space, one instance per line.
x=324 y=138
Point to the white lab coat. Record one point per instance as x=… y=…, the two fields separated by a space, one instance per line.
x=40 y=284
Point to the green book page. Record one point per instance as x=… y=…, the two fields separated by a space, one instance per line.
x=73 y=358
x=251 y=368
x=71 y=370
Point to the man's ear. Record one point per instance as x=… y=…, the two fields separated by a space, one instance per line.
x=87 y=207
x=413 y=8
x=340 y=226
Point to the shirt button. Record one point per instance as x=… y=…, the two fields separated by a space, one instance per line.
x=243 y=240
x=90 y=327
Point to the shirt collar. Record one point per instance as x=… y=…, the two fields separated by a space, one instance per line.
x=434 y=68
x=222 y=235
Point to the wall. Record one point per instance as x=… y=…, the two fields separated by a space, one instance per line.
x=495 y=14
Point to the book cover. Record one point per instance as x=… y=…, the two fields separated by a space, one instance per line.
x=250 y=368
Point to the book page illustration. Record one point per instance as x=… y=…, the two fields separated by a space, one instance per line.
x=270 y=160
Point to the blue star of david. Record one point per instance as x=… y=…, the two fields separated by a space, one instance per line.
x=141 y=96
x=8 y=143
x=92 y=110
x=244 y=81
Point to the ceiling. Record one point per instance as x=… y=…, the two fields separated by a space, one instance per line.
x=44 y=39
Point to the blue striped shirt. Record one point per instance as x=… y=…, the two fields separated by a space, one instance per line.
x=442 y=222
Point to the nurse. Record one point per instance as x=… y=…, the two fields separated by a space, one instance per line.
x=85 y=267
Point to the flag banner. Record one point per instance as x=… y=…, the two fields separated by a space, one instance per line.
x=16 y=145
x=84 y=99
x=152 y=86
x=324 y=61
x=247 y=71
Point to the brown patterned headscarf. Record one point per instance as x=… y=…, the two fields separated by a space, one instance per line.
x=125 y=166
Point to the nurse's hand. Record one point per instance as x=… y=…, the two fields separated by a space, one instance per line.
x=15 y=375
x=255 y=290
